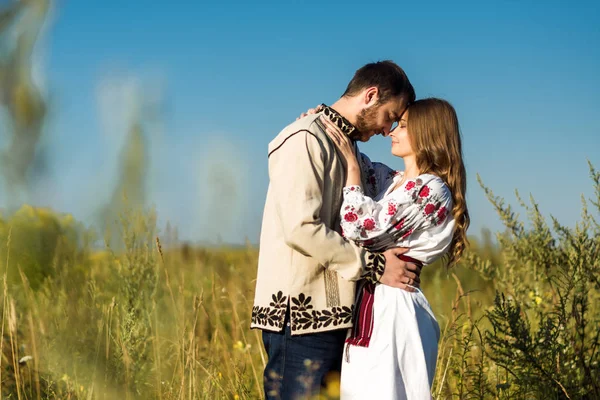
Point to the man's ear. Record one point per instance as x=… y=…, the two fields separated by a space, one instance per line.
x=371 y=96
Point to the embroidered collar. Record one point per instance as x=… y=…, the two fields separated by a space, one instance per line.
x=339 y=120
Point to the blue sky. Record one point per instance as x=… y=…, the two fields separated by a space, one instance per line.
x=228 y=76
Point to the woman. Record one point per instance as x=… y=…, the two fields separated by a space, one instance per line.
x=392 y=350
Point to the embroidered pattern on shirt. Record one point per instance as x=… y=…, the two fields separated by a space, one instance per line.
x=345 y=126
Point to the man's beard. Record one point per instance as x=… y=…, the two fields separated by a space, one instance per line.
x=366 y=122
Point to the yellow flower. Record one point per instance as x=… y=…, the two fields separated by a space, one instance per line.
x=535 y=298
x=238 y=345
x=332 y=384
x=236 y=397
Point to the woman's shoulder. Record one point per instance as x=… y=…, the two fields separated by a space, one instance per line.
x=434 y=181
x=426 y=185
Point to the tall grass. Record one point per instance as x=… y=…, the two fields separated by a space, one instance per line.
x=142 y=321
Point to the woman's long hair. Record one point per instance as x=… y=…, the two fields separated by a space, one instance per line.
x=435 y=138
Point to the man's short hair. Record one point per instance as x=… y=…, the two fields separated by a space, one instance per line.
x=387 y=77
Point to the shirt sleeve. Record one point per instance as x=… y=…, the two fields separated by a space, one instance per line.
x=296 y=172
x=416 y=206
x=375 y=175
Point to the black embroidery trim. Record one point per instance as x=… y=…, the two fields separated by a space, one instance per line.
x=273 y=315
x=346 y=126
x=375 y=265
x=303 y=315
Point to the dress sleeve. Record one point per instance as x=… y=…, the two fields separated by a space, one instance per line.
x=416 y=206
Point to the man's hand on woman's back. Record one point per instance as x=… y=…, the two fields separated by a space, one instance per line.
x=398 y=273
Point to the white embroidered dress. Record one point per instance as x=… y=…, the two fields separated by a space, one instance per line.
x=399 y=362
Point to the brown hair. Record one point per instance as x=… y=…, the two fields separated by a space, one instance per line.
x=435 y=138
x=387 y=77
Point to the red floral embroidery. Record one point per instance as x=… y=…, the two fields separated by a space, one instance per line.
x=429 y=209
x=371 y=180
x=369 y=224
x=410 y=185
x=351 y=217
x=441 y=214
x=392 y=209
x=424 y=192
x=368 y=242
x=399 y=225
x=407 y=234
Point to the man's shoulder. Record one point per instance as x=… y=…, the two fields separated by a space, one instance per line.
x=309 y=123
x=306 y=125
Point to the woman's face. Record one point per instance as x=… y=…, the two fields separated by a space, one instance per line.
x=401 y=146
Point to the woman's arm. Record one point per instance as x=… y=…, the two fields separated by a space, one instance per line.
x=410 y=209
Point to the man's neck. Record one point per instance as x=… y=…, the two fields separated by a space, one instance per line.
x=346 y=109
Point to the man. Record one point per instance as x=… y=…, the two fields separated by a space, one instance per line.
x=307 y=271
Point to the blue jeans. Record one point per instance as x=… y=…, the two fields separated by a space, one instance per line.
x=298 y=366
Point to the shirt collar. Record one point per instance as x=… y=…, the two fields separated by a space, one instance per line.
x=341 y=122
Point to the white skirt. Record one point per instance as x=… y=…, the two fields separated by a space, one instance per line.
x=400 y=360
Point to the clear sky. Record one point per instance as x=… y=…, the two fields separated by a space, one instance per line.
x=524 y=77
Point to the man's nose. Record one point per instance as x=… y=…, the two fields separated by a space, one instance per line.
x=386 y=130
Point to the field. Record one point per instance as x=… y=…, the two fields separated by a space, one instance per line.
x=151 y=318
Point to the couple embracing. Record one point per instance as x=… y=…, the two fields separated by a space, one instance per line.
x=344 y=239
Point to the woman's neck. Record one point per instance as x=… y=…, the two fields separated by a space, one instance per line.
x=411 y=170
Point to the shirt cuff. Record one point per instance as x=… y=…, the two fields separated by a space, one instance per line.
x=353 y=189
x=374 y=267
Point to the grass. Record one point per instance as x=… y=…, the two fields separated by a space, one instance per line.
x=140 y=320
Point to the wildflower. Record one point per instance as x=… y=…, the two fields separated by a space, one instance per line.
x=332 y=385
x=25 y=359
x=535 y=298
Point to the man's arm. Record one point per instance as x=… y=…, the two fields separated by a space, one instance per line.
x=297 y=170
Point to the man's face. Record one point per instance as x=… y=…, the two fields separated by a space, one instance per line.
x=379 y=118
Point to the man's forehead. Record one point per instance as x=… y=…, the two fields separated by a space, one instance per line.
x=396 y=104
